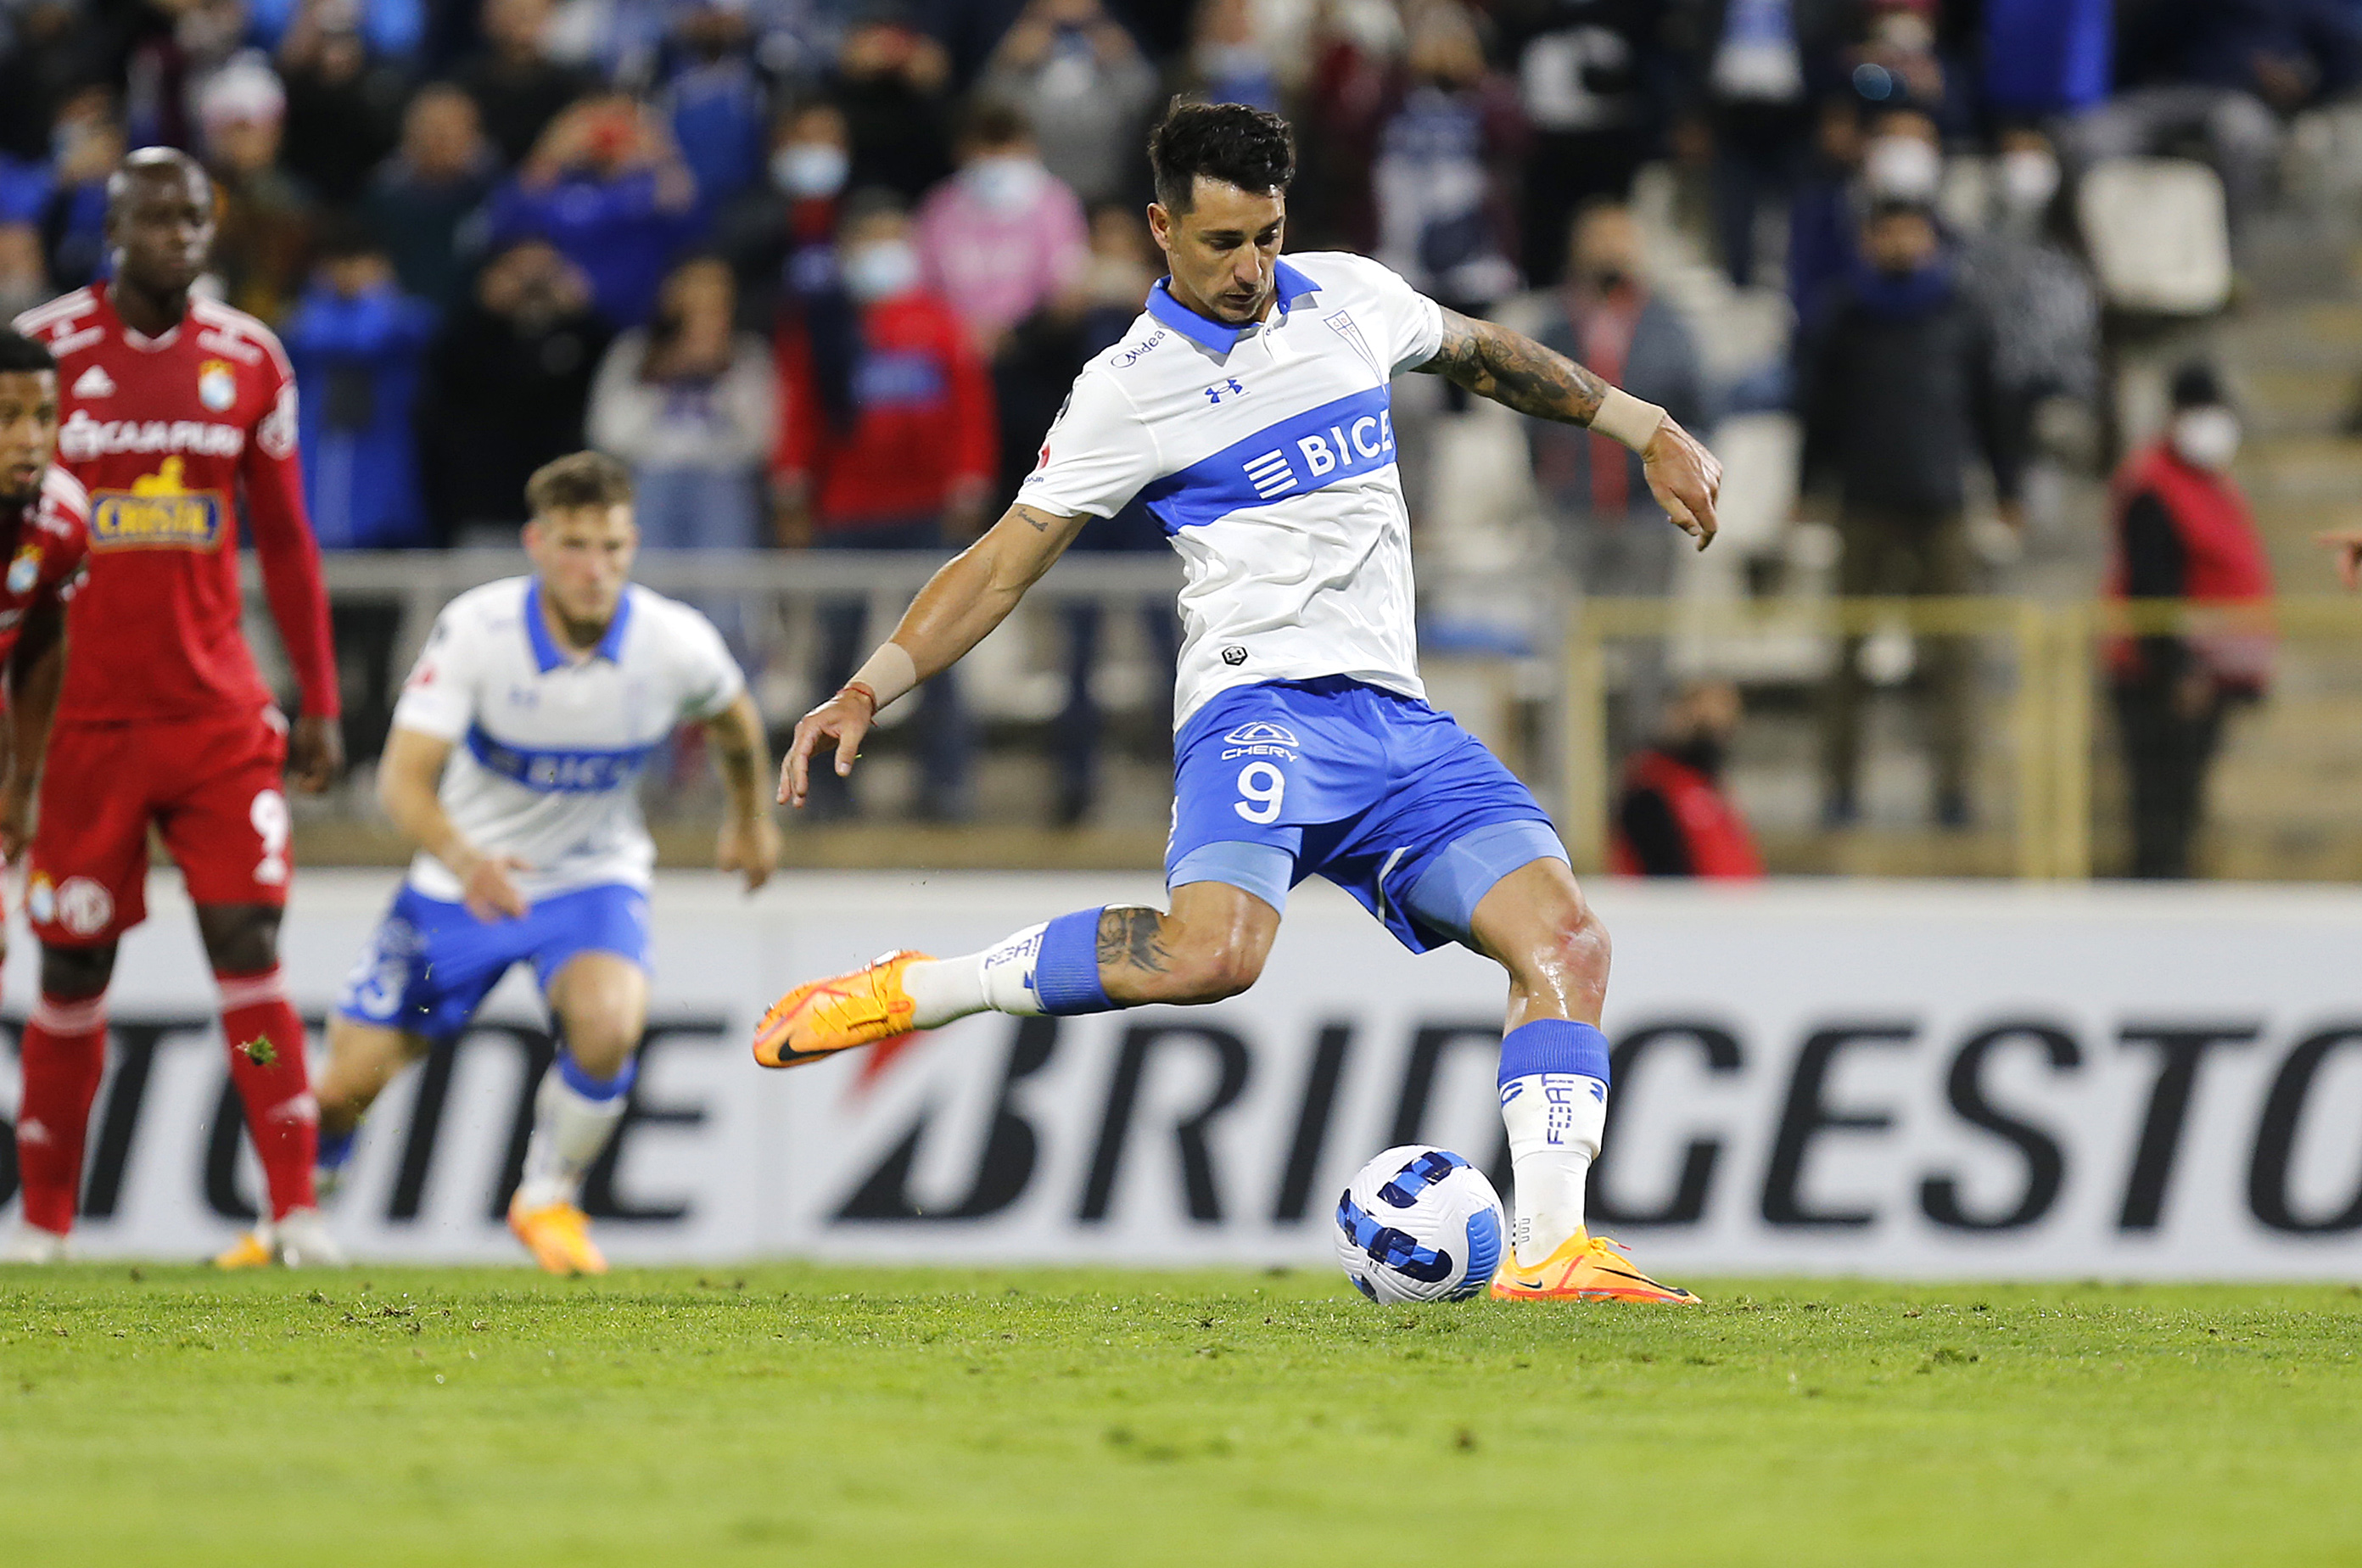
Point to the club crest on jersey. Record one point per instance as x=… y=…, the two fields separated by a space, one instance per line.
x=217 y=385
x=26 y=570
x=94 y=383
x=158 y=511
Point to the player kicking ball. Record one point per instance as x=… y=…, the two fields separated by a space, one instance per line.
x=1248 y=408
x=516 y=747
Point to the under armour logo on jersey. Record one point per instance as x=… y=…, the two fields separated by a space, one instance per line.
x=94 y=383
x=1221 y=388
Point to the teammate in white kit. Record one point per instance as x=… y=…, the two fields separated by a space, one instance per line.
x=516 y=747
x=1248 y=408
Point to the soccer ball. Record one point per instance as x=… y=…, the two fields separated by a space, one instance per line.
x=1419 y=1224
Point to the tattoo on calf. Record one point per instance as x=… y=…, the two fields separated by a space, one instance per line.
x=1128 y=936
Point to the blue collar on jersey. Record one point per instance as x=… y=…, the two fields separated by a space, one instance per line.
x=1220 y=335
x=545 y=651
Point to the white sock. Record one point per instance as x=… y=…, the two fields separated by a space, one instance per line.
x=570 y=1129
x=1555 y=1120
x=999 y=980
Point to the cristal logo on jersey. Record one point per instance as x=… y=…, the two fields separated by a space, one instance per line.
x=158 y=512
x=217 y=385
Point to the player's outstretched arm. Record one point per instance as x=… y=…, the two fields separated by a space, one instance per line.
x=37 y=672
x=2347 y=545
x=407 y=778
x=1518 y=372
x=972 y=593
x=750 y=839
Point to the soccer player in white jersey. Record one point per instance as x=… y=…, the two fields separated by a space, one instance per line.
x=1248 y=408
x=516 y=747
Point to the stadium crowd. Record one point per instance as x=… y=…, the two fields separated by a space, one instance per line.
x=819 y=270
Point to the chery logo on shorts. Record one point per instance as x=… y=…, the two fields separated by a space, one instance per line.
x=1261 y=738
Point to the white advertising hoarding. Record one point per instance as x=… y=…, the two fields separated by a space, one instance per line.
x=1892 y=1079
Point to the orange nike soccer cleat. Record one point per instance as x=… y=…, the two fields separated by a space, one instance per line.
x=836 y=1014
x=559 y=1236
x=249 y=1250
x=1587 y=1268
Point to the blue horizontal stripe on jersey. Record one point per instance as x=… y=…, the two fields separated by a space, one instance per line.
x=554 y=771
x=1301 y=454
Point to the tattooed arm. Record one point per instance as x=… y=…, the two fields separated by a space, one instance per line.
x=1518 y=372
x=972 y=593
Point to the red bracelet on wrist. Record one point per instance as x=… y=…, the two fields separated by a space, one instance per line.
x=861 y=687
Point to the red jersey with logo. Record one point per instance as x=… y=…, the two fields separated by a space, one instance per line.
x=169 y=435
x=48 y=549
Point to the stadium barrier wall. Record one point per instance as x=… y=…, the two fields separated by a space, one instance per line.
x=1890 y=1079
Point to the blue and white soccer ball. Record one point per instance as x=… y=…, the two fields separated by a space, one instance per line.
x=1419 y=1224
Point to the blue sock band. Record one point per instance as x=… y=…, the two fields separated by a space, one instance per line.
x=571 y=1073
x=335 y=1149
x=1066 y=969
x=1553 y=1045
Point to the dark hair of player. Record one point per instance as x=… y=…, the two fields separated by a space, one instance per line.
x=153 y=163
x=1229 y=142
x=578 y=480
x=20 y=354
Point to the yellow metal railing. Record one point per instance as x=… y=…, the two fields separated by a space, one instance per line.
x=2055 y=650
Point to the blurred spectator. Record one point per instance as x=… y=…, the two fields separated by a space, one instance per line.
x=715 y=102
x=506 y=387
x=359 y=345
x=606 y=185
x=897 y=456
x=2183 y=532
x=1900 y=159
x=780 y=237
x=89 y=142
x=1897 y=392
x=1612 y=534
x=1579 y=65
x=1446 y=166
x=2033 y=287
x=1003 y=235
x=2221 y=72
x=24 y=271
x=891 y=81
x=518 y=88
x=1086 y=86
x=265 y=217
x=1672 y=817
x=421 y=200
x=1357 y=45
x=1229 y=60
x=1756 y=62
x=388 y=29
x=1044 y=356
x=2046 y=58
x=342 y=111
x=50 y=52
x=689 y=402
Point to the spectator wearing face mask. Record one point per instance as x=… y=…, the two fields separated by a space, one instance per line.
x=1004 y=236
x=1897 y=392
x=1082 y=78
x=780 y=237
x=1446 y=166
x=890 y=85
x=1759 y=63
x=1230 y=62
x=89 y=141
x=2183 y=532
x=606 y=185
x=1672 y=818
x=506 y=384
x=421 y=199
x=518 y=88
x=893 y=449
x=1613 y=534
x=344 y=111
x=1897 y=157
x=265 y=216
x=715 y=101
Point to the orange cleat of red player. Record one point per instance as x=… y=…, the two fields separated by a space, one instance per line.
x=175 y=410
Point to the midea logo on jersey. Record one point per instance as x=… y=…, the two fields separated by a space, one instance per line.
x=1367 y=442
x=1261 y=738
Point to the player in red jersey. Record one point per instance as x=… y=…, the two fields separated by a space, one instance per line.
x=176 y=411
x=42 y=509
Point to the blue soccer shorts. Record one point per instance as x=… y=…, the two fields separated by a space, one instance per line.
x=429 y=965
x=1378 y=792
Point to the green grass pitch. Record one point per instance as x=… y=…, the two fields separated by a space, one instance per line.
x=820 y=1415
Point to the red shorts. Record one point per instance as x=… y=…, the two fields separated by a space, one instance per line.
x=211 y=786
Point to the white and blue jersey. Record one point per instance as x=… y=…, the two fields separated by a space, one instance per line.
x=1304 y=741
x=546 y=753
x=1268 y=454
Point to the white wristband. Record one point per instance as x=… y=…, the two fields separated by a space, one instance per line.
x=1624 y=418
x=890 y=673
